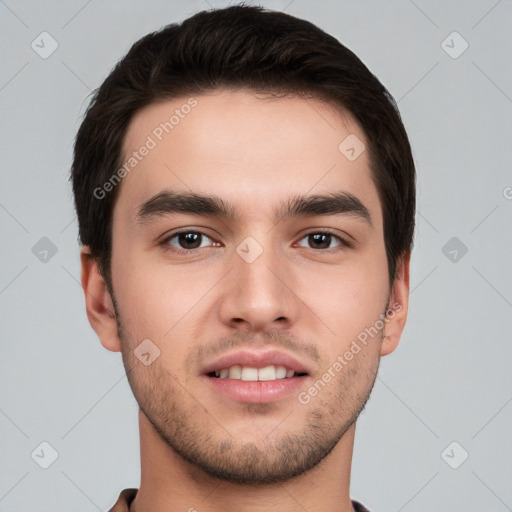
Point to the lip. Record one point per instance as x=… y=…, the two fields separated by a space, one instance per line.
x=258 y=391
x=256 y=359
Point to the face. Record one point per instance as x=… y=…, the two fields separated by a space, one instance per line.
x=246 y=244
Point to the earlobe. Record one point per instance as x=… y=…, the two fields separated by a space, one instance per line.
x=397 y=307
x=98 y=303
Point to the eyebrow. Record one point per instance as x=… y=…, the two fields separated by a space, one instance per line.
x=169 y=202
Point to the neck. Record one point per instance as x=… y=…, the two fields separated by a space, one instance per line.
x=169 y=483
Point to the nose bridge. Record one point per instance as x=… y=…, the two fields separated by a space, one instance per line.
x=255 y=264
x=257 y=293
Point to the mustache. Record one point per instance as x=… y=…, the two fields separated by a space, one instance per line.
x=241 y=340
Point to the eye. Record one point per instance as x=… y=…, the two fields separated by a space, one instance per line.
x=322 y=240
x=186 y=241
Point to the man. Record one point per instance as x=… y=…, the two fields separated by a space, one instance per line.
x=245 y=193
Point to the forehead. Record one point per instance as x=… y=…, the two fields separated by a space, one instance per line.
x=252 y=150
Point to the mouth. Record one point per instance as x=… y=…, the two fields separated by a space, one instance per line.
x=256 y=377
x=252 y=374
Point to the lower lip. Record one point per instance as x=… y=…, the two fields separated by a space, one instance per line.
x=257 y=391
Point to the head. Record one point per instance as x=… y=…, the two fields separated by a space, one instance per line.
x=286 y=160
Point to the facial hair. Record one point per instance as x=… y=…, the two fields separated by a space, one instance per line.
x=194 y=431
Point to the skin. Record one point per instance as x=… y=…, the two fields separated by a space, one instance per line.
x=253 y=152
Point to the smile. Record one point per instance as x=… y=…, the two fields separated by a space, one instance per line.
x=250 y=374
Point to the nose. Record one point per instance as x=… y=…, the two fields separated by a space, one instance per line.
x=259 y=294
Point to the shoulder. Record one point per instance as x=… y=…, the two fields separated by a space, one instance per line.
x=358 y=507
x=123 y=502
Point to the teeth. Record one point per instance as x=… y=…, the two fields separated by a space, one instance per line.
x=235 y=372
x=281 y=372
x=250 y=374
x=267 y=373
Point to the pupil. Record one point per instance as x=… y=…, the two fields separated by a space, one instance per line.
x=188 y=239
x=321 y=238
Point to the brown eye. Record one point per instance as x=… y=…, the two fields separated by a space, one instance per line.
x=322 y=240
x=186 y=240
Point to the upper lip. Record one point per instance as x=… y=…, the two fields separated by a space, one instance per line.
x=256 y=359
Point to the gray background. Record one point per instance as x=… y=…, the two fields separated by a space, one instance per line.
x=450 y=378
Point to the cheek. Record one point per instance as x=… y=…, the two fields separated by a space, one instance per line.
x=141 y=296
x=158 y=302
x=349 y=299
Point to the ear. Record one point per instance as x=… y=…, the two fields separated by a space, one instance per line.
x=397 y=306
x=98 y=303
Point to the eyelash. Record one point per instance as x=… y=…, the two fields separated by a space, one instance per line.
x=167 y=247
